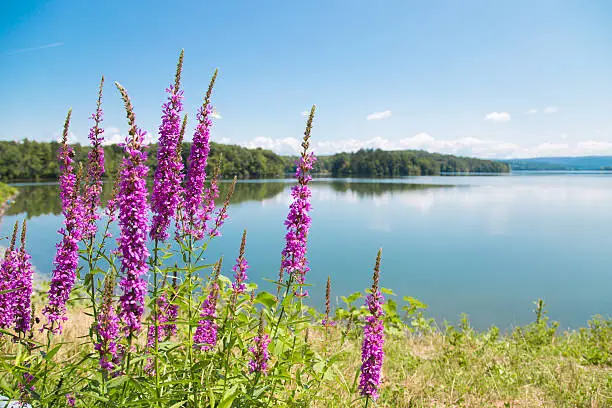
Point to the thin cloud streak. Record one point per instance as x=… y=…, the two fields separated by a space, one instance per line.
x=41 y=47
x=379 y=115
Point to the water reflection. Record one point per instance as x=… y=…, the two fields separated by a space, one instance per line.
x=36 y=199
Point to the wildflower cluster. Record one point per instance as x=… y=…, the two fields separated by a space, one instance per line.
x=210 y=340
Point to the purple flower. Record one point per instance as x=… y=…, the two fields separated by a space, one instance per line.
x=133 y=225
x=205 y=337
x=70 y=400
x=327 y=322
x=240 y=274
x=23 y=286
x=168 y=174
x=162 y=320
x=298 y=221
x=95 y=170
x=107 y=326
x=372 y=353
x=8 y=271
x=196 y=173
x=67 y=255
x=222 y=212
x=259 y=351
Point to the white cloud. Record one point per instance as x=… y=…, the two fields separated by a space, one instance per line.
x=551 y=109
x=465 y=146
x=532 y=111
x=498 y=116
x=112 y=135
x=216 y=115
x=379 y=115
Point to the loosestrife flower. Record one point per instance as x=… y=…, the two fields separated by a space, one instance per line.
x=196 y=174
x=168 y=174
x=172 y=310
x=95 y=170
x=372 y=353
x=222 y=213
x=259 y=350
x=70 y=400
x=8 y=270
x=162 y=319
x=107 y=326
x=23 y=286
x=240 y=274
x=132 y=206
x=67 y=255
x=298 y=221
x=205 y=337
x=327 y=322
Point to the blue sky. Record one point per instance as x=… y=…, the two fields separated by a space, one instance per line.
x=484 y=78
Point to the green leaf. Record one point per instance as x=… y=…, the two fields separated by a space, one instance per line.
x=266 y=299
x=387 y=291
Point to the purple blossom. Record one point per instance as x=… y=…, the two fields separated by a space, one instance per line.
x=168 y=174
x=240 y=274
x=196 y=216
x=162 y=320
x=8 y=271
x=372 y=353
x=133 y=225
x=70 y=400
x=23 y=286
x=298 y=221
x=205 y=337
x=95 y=170
x=259 y=351
x=327 y=322
x=67 y=255
x=222 y=212
x=107 y=327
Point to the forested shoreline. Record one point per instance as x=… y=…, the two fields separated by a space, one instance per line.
x=32 y=160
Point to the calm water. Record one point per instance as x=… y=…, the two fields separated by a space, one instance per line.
x=486 y=246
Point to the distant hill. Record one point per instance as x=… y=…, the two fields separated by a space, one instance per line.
x=561 y=163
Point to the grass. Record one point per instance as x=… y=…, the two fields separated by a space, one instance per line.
x=6 y=192
x=453 y=366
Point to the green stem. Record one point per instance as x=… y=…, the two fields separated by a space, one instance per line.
x=156 y=322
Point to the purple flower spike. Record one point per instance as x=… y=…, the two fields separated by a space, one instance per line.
x=8 y=271
x=168 y=174
x=23 y=286
x=298 y=221
x=195 y=215
x=205 y=337
x=107 y=326
x=259 y=350
x=67 y=255
x=372 y=353
x=95 y=170
x=222 y=213
x=133 y=208
x=240 y=274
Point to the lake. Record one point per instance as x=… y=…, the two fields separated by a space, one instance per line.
x=487 y=246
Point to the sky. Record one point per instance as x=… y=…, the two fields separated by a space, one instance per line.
x=491 y=79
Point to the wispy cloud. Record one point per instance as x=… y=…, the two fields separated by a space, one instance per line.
x=41 y=47
x=216 y=115
x=379 y=115
x=551 y=109
x=498 y=116
x=532 y=111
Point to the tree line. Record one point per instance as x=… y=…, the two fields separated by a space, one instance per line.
x=32 y=160
x=384 y=163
